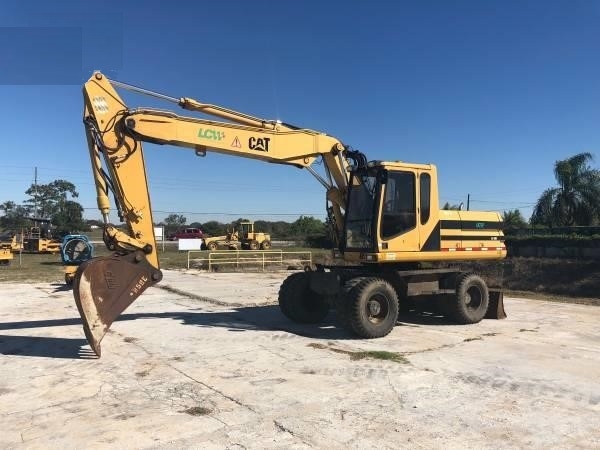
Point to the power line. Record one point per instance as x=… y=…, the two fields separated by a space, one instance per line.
x=229 y=213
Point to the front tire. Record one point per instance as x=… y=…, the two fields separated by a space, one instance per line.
x=471 y=301
x=372 y=308
x=298 y=303
x=265 y=245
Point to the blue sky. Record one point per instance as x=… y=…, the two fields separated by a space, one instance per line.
x=492 y=92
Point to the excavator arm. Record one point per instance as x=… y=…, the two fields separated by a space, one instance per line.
x=104 y=287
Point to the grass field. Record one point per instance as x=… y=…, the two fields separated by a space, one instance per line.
x=551 y=279
x=49 y=268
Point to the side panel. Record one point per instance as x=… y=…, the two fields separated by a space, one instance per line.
x=468 y=231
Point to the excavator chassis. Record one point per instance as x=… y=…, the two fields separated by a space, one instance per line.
x=105 y=286
x=368 y=300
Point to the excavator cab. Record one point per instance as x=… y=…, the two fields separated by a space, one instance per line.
x=393 y=216
x=389 y=208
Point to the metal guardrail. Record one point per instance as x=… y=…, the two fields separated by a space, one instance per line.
x=239 y=258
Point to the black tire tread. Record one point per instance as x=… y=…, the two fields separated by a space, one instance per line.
x=458 y=310
x=298 y=303
x=355 y=308
x=342 y=308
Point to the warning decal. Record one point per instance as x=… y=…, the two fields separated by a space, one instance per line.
x=100 y=104
x=236 y=143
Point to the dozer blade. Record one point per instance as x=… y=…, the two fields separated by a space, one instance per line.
x=105 y=286
x=496 y=306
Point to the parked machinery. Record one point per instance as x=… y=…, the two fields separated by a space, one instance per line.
x=246 y=238
x=39 y=237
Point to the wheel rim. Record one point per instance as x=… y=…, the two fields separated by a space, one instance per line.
x=474 y=298
x=377 y=309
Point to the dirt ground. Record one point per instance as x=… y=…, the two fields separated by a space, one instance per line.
x=206 y=360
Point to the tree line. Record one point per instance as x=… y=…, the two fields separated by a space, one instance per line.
x=53 y=201
x=304 y=228
x=574 y=201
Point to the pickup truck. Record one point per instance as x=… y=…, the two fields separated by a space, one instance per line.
x=186 y=233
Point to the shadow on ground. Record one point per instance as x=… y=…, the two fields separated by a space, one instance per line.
x=47 y=347
x=238 y=320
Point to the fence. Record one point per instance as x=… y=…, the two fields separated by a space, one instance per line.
x=239 y=258
x=555 y=231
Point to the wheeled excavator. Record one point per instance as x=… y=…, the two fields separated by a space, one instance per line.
x=387 y=228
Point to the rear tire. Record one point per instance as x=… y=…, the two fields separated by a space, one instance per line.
x=471 y=301
x=372 y=307
x=298 y=303
x=265 y=245
x=211 y=246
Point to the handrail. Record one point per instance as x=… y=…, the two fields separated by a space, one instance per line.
x=247 y=257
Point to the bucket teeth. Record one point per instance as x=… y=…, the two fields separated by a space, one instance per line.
x=104 y=287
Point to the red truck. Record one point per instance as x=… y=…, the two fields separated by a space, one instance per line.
x=186 y=233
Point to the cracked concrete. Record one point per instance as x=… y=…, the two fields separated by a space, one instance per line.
x=206 y=360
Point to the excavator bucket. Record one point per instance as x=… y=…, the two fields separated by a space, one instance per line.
x=104 y=287
x=496 y=306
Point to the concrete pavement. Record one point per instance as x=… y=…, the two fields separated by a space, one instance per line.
x=206 y=360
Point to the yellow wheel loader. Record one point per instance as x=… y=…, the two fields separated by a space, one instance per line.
x=253 y=240
x=230 y=241
x=246 y=238
x=386 y=225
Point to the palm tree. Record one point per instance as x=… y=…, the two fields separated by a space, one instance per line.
x=576 y=200
x=513 y=220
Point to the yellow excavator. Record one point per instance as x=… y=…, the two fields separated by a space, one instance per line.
x=384 y=218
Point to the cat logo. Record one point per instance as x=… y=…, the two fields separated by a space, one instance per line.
x=260 y=144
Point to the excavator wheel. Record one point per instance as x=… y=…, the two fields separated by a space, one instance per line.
x=342 y=309
x=211 y=246
x=254 y=245
x=372 y=307
x=265 y=245
x=470 y=304
x=298 y=303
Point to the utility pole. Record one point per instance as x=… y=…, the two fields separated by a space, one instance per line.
x=35 y=212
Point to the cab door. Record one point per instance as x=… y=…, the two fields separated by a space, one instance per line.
x=398 y=226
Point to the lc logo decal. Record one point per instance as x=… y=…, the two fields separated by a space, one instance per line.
x=208 y=133
x=260 y=144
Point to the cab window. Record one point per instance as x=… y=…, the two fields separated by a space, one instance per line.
x=425 y=190
x=399 y=204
